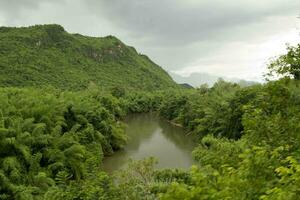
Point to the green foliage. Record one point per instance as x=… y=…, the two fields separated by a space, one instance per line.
x=52 y=140
x=52 y=143
x=250 y=148
x=263 y=163
x=142 y=102
x=287 y=64
x=96 y=186
x=212 y=147
x=141 y=181
x=288 y=187
x=217 y=110
x=47 y=55
x=135 y=183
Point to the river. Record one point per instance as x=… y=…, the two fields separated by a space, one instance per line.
x=150 y=135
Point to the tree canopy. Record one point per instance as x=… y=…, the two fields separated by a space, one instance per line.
x=53 y=138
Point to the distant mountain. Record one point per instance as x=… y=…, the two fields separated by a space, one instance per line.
x=47 y=55
x=197 y=79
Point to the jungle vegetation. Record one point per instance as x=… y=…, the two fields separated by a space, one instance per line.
x=54 y=135
x=48 y=55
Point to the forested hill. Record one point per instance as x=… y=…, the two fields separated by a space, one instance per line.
x=48 y=55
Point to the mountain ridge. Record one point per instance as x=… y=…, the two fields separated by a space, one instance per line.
x=42 y=55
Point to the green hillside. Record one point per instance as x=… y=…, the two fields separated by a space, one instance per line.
x=47 y=55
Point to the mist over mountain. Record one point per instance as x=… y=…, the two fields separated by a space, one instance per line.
x=197 y=79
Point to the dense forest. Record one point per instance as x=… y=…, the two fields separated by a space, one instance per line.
x=48 y=55
x=55 y=131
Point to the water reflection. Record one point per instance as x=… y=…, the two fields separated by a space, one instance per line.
x=151 y=136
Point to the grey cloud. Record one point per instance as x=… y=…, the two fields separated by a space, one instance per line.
x=174 y=22
x=16 y=5
x=12 y=9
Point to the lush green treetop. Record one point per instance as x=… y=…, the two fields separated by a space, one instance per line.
x=287 y=64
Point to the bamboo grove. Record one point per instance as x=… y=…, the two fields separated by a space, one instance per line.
x=53 y=141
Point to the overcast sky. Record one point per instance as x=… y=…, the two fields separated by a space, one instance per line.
x=233 y=38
